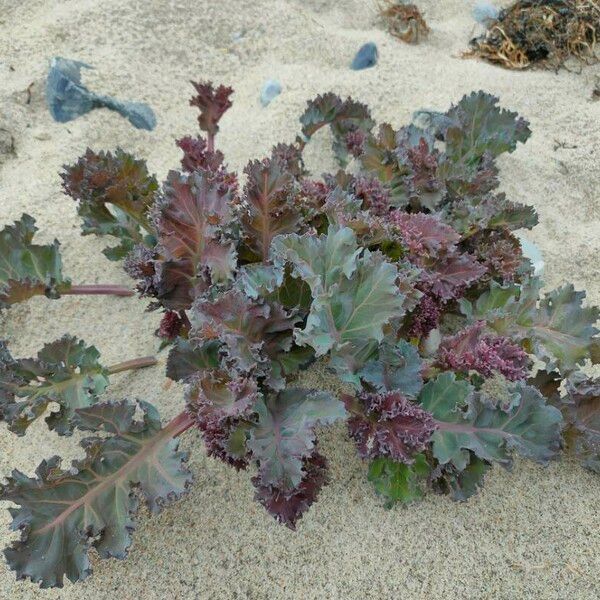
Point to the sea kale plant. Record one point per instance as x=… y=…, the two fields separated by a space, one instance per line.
x=400 y=273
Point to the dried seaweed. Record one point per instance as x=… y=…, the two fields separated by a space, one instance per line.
x=544 y=33
x=404 y=21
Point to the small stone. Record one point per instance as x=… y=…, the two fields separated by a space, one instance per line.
x=485 y=13
x=365 y=58
x=270 y=91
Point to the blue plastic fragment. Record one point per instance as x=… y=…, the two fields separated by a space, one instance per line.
x=68 y=98
x=270 y=91
x=485 y=13
x=366 y=57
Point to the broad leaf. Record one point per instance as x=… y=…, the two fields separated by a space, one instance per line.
x=268 y=206
x=397 y=367
x=62 y=514
x=464 y=423
x=354 y=297
x=560 y=331
x=479 y=126
x=287 y=506
x=114 y=193
x=186 y=359
x=28 y=269
x=250 y=332
x=347 y=119
x=461 y=485
x=284 y=434
x=65 y=371
x=192 y=225
x=398 y=482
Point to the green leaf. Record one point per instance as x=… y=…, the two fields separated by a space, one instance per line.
x=564 y=329
x=114 y=193
x=461 y=485
x=284 y=433
x=398 y=482
x=65 y=371
x=342 y=116
x=28 y=269
x=560 y=331
x=64 y=513
x=187 y=359
x=353 y=296
x=479 y=126
x=397 y=367
x=465 y=423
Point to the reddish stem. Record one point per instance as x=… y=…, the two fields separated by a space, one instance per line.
x=182 y=422
x=135 y=363
x=100 y=289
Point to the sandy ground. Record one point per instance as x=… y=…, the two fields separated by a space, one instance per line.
x=532 y=533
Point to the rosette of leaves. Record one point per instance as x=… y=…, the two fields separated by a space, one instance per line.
x=400 y=273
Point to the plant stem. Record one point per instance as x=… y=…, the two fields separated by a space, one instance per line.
x=135 y=363
x=182 y=422
x=100 y=289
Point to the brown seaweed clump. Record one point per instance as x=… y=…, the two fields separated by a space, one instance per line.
x=541 y=32
x=404 y=21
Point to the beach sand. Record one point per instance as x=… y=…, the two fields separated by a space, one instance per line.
x=532 y=532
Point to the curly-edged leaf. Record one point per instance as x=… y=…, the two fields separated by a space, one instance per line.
x=422 y=234
x=251 y=332
x=218 y=395
x=114 y=193
x=347 y=119
x=186 y=359
x=560 y=331
x=582 y=414
x=354 y=297
x=268 y=208
x=65 y=371
x=287 y=506
x=564 y=329
x=62 y=514
x=397 y=367
x=461 y=485
x=479 y=211
x=197 y=156
x=473 y=349
x=465 y=423
x=418 y=161
x=388 y=424
x=398 y=482
x=479 y=126
x=28 y=269
x=284 y=433
x=213 y=103
x=192 y=221
x=451 y=274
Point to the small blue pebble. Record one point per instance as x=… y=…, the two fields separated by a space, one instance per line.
x=365 y=58
x=485 y=13
x=270 y=90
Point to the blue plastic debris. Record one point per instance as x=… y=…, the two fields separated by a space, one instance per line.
x=68 y=98
x=270 y=91
x=365 y=58
x=485 y=13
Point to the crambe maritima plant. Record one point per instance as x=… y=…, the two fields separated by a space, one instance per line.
x=401 y=273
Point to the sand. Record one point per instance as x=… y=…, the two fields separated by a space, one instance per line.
x=531 y=533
